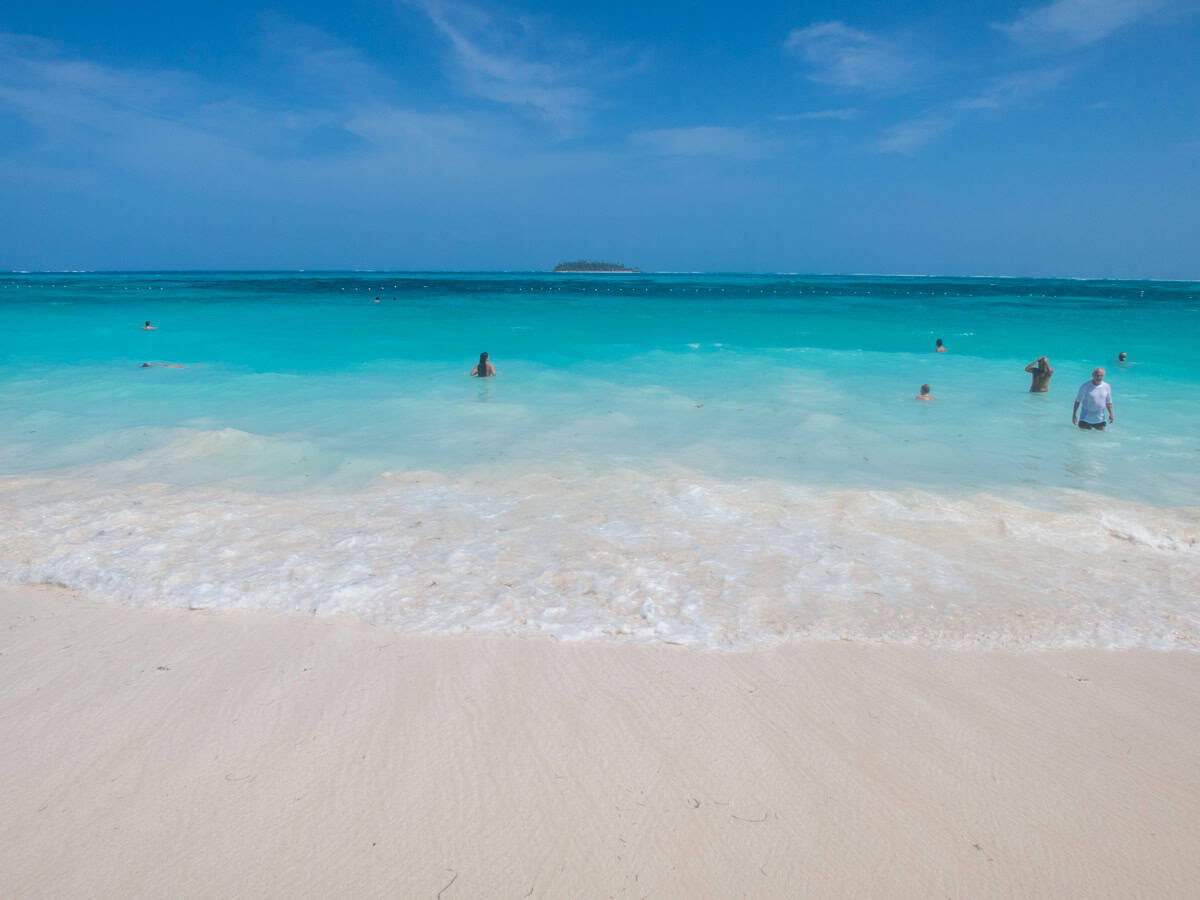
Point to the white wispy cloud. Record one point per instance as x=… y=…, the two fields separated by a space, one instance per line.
x=326 y=66
x=518 y=61
x=1077 y=22
x=1016 y=88
x=702 y=140
x=88 y=113
x=62 y=96
x=908 y=137
x=842 y=115
x=385 y=126
x=846 y=57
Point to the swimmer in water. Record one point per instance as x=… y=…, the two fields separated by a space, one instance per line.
x=1095 y=397
x=166 y=365
x=483 y=369
x=1123 y=359
x=149 y=327
x=938 y=348
x=1041 y=372
x=924 y=395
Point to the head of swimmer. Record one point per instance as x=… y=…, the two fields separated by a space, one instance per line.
x=924 y=389
x=938 y=342
x=1097 y=375
x=1121 y=356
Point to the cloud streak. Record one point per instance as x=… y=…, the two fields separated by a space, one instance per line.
x=126 y=115
x=908 y=137
x=510 y=61
x=328 y=68
x=1010 y=91
x=702 y=140
x=841 y=115
x=846 y=57
x=1077 y=22
x=1017 y=89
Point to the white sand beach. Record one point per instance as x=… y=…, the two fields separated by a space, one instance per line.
x=173 y=753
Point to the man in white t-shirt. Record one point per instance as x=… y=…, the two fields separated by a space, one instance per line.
x=1095 y=397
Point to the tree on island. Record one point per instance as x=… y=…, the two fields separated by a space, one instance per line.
x=586 y=265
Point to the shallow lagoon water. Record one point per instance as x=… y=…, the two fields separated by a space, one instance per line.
x=714 y=460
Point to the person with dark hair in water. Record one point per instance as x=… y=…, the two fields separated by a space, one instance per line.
x=1041 y=372
x=149 y=327
x=924 y=395
x=938 y=347
x=483 y=368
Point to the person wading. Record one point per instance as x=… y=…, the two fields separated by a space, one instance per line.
x=1094 y=397
x=1041 y=372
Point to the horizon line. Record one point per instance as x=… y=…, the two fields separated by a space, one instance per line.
x=695 y=272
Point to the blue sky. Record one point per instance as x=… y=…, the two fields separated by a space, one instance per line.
x=1058 y=138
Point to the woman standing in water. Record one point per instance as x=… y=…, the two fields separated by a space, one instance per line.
x=483 y=369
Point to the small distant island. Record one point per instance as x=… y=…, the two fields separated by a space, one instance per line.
x=585 y=265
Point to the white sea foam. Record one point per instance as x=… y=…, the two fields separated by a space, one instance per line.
x=587 y=553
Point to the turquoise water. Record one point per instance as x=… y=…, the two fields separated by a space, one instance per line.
x=663 y=457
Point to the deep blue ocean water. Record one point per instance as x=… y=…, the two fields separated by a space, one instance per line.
x=717 y=459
